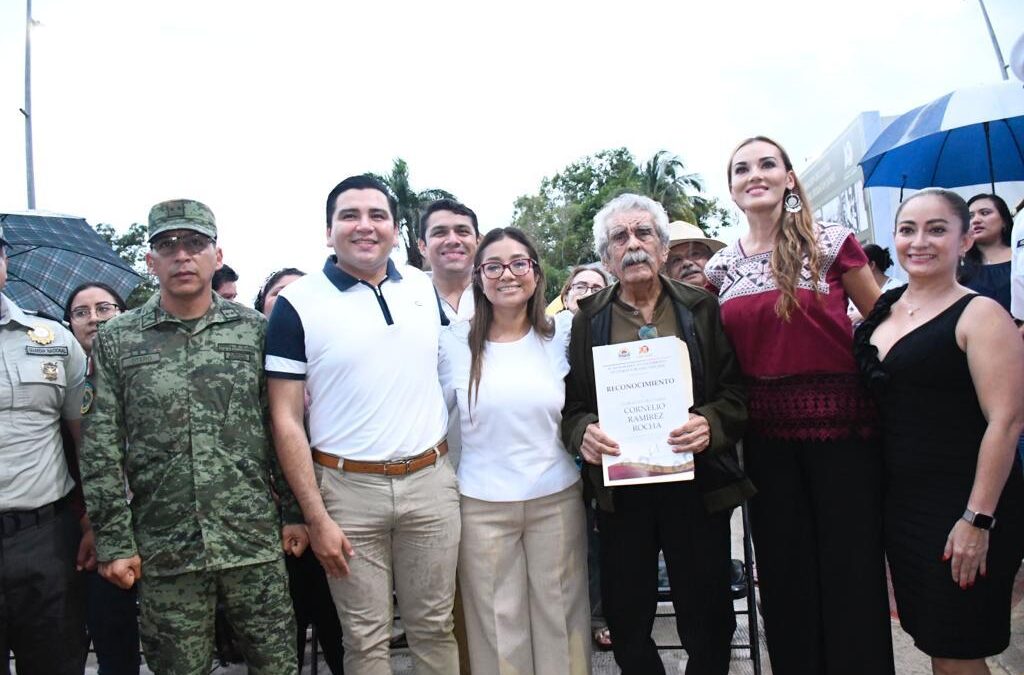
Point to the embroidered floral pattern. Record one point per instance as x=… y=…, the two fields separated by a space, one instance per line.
x=736 y=275
x=817 y=407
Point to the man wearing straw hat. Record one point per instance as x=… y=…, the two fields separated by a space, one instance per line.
x=688 y=251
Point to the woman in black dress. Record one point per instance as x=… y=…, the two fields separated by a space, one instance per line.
x=947 y=369
x=985 y=267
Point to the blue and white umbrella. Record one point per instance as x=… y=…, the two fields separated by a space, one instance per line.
x=968 y=137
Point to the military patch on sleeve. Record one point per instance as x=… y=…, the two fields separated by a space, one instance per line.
x=88 y=395
x=54 y=350
x=236 y=352
x=140 y=359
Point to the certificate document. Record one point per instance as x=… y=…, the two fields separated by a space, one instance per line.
x=644 y=391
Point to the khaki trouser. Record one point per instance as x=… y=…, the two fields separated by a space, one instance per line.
x=523 y=575
x=405 y=533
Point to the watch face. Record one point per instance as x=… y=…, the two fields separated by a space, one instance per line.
x=983 y=522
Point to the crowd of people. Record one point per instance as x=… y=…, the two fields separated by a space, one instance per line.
x=371 y=433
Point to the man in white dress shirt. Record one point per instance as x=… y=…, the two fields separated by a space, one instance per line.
x=449 y=236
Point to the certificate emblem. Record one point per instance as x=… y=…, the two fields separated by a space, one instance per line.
x=41 y=335
x=50 y=371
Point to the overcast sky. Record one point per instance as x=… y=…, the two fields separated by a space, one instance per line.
x=258 y=108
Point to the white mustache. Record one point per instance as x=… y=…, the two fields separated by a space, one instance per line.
x=635 y=258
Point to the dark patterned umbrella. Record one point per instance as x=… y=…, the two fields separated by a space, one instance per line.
x=49 y=255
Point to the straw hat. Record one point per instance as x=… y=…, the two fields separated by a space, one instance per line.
x=680 y=232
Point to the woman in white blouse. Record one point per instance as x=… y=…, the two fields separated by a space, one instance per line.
x=523 y=556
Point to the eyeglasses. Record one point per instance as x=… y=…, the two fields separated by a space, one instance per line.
x=648 y=331
x=583 y=288
x=643 y=233
x=518 y=267
x=193 y=243
x=103 y=311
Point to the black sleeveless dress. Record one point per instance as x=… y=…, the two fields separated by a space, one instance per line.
x=932 y=428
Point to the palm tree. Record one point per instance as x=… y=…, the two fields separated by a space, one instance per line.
x=410 y=203
x=664 y=179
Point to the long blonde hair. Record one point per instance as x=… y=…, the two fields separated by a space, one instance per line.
x=796 y=239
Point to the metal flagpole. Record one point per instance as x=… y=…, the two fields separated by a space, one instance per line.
x=27 y=110
x=995 y=43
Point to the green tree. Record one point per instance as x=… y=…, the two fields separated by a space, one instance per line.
x=665 y=180
x=560 y=216
x=131 y=247
x=410 y=203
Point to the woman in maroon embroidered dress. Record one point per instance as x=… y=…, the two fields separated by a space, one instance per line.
x=810 y=447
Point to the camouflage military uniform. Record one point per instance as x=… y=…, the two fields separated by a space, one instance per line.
x=189 y=404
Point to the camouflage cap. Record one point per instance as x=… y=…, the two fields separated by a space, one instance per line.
x=182 y=214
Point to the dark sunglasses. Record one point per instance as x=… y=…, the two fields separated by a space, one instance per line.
x=193 y=243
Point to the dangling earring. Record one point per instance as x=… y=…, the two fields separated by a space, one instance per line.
x=792 y=202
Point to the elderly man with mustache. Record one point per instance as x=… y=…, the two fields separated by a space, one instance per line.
x=688 y=521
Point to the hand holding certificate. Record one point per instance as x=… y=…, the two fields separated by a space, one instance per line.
x=644 y=393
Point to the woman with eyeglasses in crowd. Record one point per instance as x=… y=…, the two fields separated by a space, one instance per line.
x=523 y=540
x=111 y=612
x=810 y=446
x=582 y=282
x=947 y=369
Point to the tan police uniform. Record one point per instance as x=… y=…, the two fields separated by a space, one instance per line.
x=42 y=379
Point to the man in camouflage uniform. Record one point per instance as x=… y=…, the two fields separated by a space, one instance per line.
x=180 y=410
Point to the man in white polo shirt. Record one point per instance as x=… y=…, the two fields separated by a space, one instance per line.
x=362 y=337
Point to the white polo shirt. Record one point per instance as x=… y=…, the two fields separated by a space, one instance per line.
x=368 y=355
x=1017 y=268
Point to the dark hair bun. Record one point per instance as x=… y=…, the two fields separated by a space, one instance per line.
x=878 y=255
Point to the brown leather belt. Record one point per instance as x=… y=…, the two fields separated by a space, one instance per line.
x=397 y=467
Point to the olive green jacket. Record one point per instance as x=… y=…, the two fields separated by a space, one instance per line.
x=718 y=392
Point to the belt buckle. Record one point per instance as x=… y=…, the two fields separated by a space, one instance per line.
x=403 y=463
